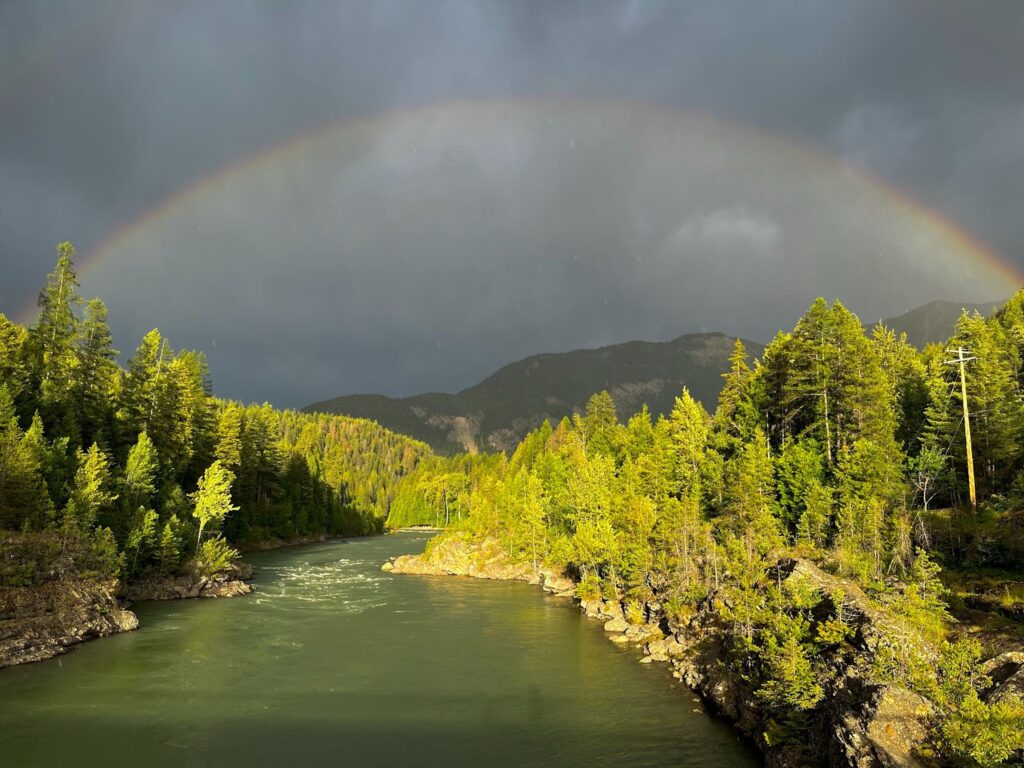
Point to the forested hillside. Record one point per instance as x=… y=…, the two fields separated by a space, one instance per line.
x=496 y=414
x=139 y=471
x=934 y=322
x=836 y=449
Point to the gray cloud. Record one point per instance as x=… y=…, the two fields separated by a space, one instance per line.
x=396 y=270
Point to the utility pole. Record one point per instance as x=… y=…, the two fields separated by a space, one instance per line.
x=963 y=356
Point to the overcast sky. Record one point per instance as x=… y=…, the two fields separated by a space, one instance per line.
x=575 y=173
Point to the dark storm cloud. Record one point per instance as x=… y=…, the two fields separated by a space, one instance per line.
x=108 y=107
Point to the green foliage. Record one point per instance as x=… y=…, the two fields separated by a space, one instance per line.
x=107 y=560
x=635 y=613
x=833 y=446
x=792 y=680
x=215 y=557
x=589 y=587
x=212 y=498
x=977 y=733
x=985 y=735
x=95 y=374
x=91 y=492
x=142 y=535
x=170 y=546
x=111 y=459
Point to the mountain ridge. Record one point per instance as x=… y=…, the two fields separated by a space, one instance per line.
x=932 y=323
x=496 y=412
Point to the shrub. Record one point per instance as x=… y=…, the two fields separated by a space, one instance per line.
x=215 y=557
x=635 y=612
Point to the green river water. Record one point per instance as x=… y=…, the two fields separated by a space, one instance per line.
x=332 y=662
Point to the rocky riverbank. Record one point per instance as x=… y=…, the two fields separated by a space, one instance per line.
x=51 y=598
x=861 y=722
x=43 y=621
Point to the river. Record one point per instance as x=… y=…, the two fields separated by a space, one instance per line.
x=332 y=662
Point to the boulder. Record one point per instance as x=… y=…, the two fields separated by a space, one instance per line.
x=637 y=633
x=610 y=609
x=1010 y=688
x=616 y=625
x=656 y=650
x=673 y=648
x=898 y=727
x=1004 y=671
x=229 y=588
x=557 y=583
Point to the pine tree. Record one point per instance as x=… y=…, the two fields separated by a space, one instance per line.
x=142 y=535
x=140 y=473
x=824 y=381
x=601 y=425
x=905 y=371
x=798 y=469
x=736 y=416
x=11 y=471
x=170 y=547
x=750 y=528
x=228 y=449
x=12 y=365
x=91 y=493
x=51 y=352
x=688 y=429
x=193 y=412
x=95 y=374
x=139 y=391
x=24 y=498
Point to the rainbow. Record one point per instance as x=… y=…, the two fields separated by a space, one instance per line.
x=799 y=152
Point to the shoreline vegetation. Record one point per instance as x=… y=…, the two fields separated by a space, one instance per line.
x=37 y=626
x=809 y=557
x=48 y=620
x=837 y=571
x=880 y=726
x=136 y=482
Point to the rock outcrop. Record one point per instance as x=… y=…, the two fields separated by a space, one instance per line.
x=51 y=597
x=458 y=555
x=230 y=584
x=40 y=622
x=1006 y=672
x=861 y=723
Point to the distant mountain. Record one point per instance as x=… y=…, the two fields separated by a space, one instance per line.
x=934 y=322
x=496 y=413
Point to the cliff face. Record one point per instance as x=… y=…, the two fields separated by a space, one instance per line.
x=43 y=621
x=860 y=723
